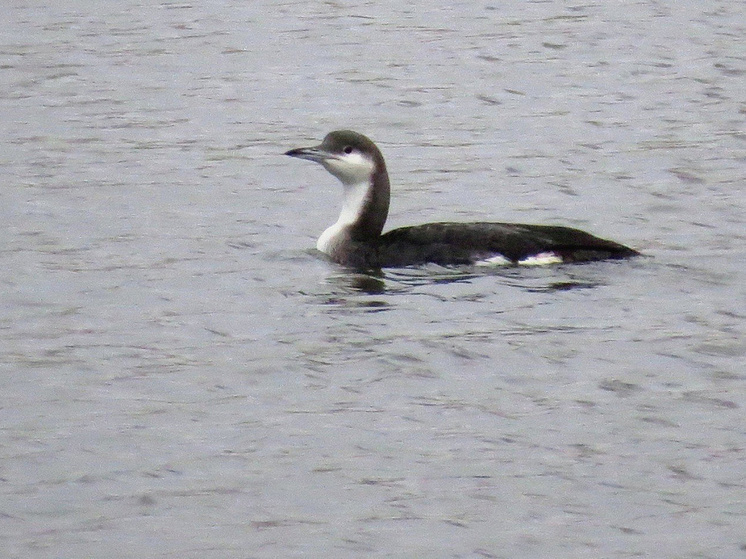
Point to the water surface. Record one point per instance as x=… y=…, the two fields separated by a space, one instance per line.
x=182 y=375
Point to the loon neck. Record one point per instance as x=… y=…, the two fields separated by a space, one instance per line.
x=365 y=208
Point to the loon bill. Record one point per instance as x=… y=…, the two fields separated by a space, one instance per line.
x=355 y=239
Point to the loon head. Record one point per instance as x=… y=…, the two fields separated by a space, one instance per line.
x=357 y=162
x=351 y=157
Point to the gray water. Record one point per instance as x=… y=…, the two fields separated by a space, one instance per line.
x=183 y=376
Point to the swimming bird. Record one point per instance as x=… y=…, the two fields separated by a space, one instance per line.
x=356 y=239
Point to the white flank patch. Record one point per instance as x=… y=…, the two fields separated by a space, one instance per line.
x=541 y=259
x=497 y=260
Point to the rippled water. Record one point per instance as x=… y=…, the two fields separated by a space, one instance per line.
x=183 y=376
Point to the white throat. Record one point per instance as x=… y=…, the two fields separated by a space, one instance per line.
x=355 y=196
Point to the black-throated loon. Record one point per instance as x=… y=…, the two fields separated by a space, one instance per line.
x=355 y=239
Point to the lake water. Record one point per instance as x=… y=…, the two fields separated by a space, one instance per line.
x=183 y=376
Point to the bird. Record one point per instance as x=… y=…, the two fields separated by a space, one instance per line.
x=357 y=240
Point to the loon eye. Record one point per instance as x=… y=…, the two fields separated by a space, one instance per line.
x=347 y=149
